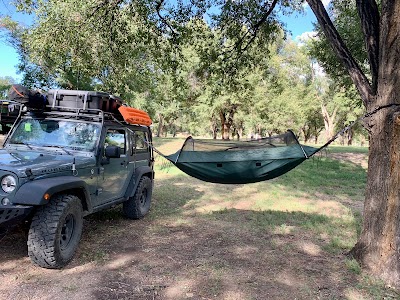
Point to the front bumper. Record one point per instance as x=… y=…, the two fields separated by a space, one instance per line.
x=13 y=214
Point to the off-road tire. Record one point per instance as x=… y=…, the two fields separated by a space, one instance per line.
x=137 y=206
x=55 y=232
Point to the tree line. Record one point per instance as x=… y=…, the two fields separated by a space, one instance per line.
x=198 y=82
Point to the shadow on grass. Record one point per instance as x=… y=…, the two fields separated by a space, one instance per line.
x=326 y=179
x=170 y=196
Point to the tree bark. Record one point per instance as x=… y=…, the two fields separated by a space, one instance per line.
x=369 y=15
x=329 y=121
x=226 y=118
x=224 y=126
x=160 y=125
x=350 y=134
x=214 y=127
x=358 y=77
x=378 y=247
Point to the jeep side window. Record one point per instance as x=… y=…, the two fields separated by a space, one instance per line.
x=116 y=137
x=140 y=141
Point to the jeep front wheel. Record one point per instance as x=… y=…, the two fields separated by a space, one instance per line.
x=137 y=206
x=55 y=232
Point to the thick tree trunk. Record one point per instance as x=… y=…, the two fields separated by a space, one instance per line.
x=378 y=248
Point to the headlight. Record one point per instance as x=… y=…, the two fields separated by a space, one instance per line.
x=8 y=183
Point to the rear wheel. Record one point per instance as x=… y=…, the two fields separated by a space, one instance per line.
x=137 y=206
x=55 y=232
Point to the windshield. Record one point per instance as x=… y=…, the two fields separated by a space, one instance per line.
x=56 y=133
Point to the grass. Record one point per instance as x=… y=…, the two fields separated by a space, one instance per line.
x=347 y=149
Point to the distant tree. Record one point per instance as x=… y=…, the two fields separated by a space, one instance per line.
x=5 y=84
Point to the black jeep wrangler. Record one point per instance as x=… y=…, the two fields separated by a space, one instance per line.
x=62 y=163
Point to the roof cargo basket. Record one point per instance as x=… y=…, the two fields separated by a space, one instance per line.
x=84 y=100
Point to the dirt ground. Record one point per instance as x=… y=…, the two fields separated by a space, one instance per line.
x=120 y=259
x=181 y=256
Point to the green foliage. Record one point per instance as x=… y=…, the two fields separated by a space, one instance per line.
x=353 y=266
x=5 y=84
x=222 y=74
x=347 y=22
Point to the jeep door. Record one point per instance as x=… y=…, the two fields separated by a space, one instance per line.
x=113 y=172
x=140 y=153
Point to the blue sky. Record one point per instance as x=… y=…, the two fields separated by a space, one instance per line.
x=297 y=25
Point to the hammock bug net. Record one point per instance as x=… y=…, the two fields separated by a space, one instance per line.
x=241 y=161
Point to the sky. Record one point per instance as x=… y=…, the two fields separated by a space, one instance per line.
x=298 y=25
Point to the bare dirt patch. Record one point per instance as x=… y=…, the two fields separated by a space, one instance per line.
x=360 y=159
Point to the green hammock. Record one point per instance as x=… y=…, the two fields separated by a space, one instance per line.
x=241 y=162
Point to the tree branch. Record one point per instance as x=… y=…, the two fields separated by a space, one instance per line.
x=163 y=20
x=369 y=15
x=358 y=77
x=255 y=28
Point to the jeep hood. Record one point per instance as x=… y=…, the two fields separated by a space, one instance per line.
x=41 y=162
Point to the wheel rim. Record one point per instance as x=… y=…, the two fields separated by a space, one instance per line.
x=143 y=198
x=67 y=231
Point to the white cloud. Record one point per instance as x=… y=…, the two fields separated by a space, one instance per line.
x=326 y=2
x=304 y=37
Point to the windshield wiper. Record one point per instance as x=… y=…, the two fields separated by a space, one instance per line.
x=26 y=144
x=59 y=147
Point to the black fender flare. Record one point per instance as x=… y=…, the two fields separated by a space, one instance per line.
x=33 y=192
x=137 y=174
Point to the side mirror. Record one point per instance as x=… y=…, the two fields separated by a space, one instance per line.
x=113 y=152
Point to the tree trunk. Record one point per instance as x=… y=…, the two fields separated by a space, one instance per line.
x=306 y=132
x=225 y=126
x=214 y=127
x=160 y=125
x=378 y=247
x=240 y=132
x=350 y=134
x=227 y=121
x=329 y=121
